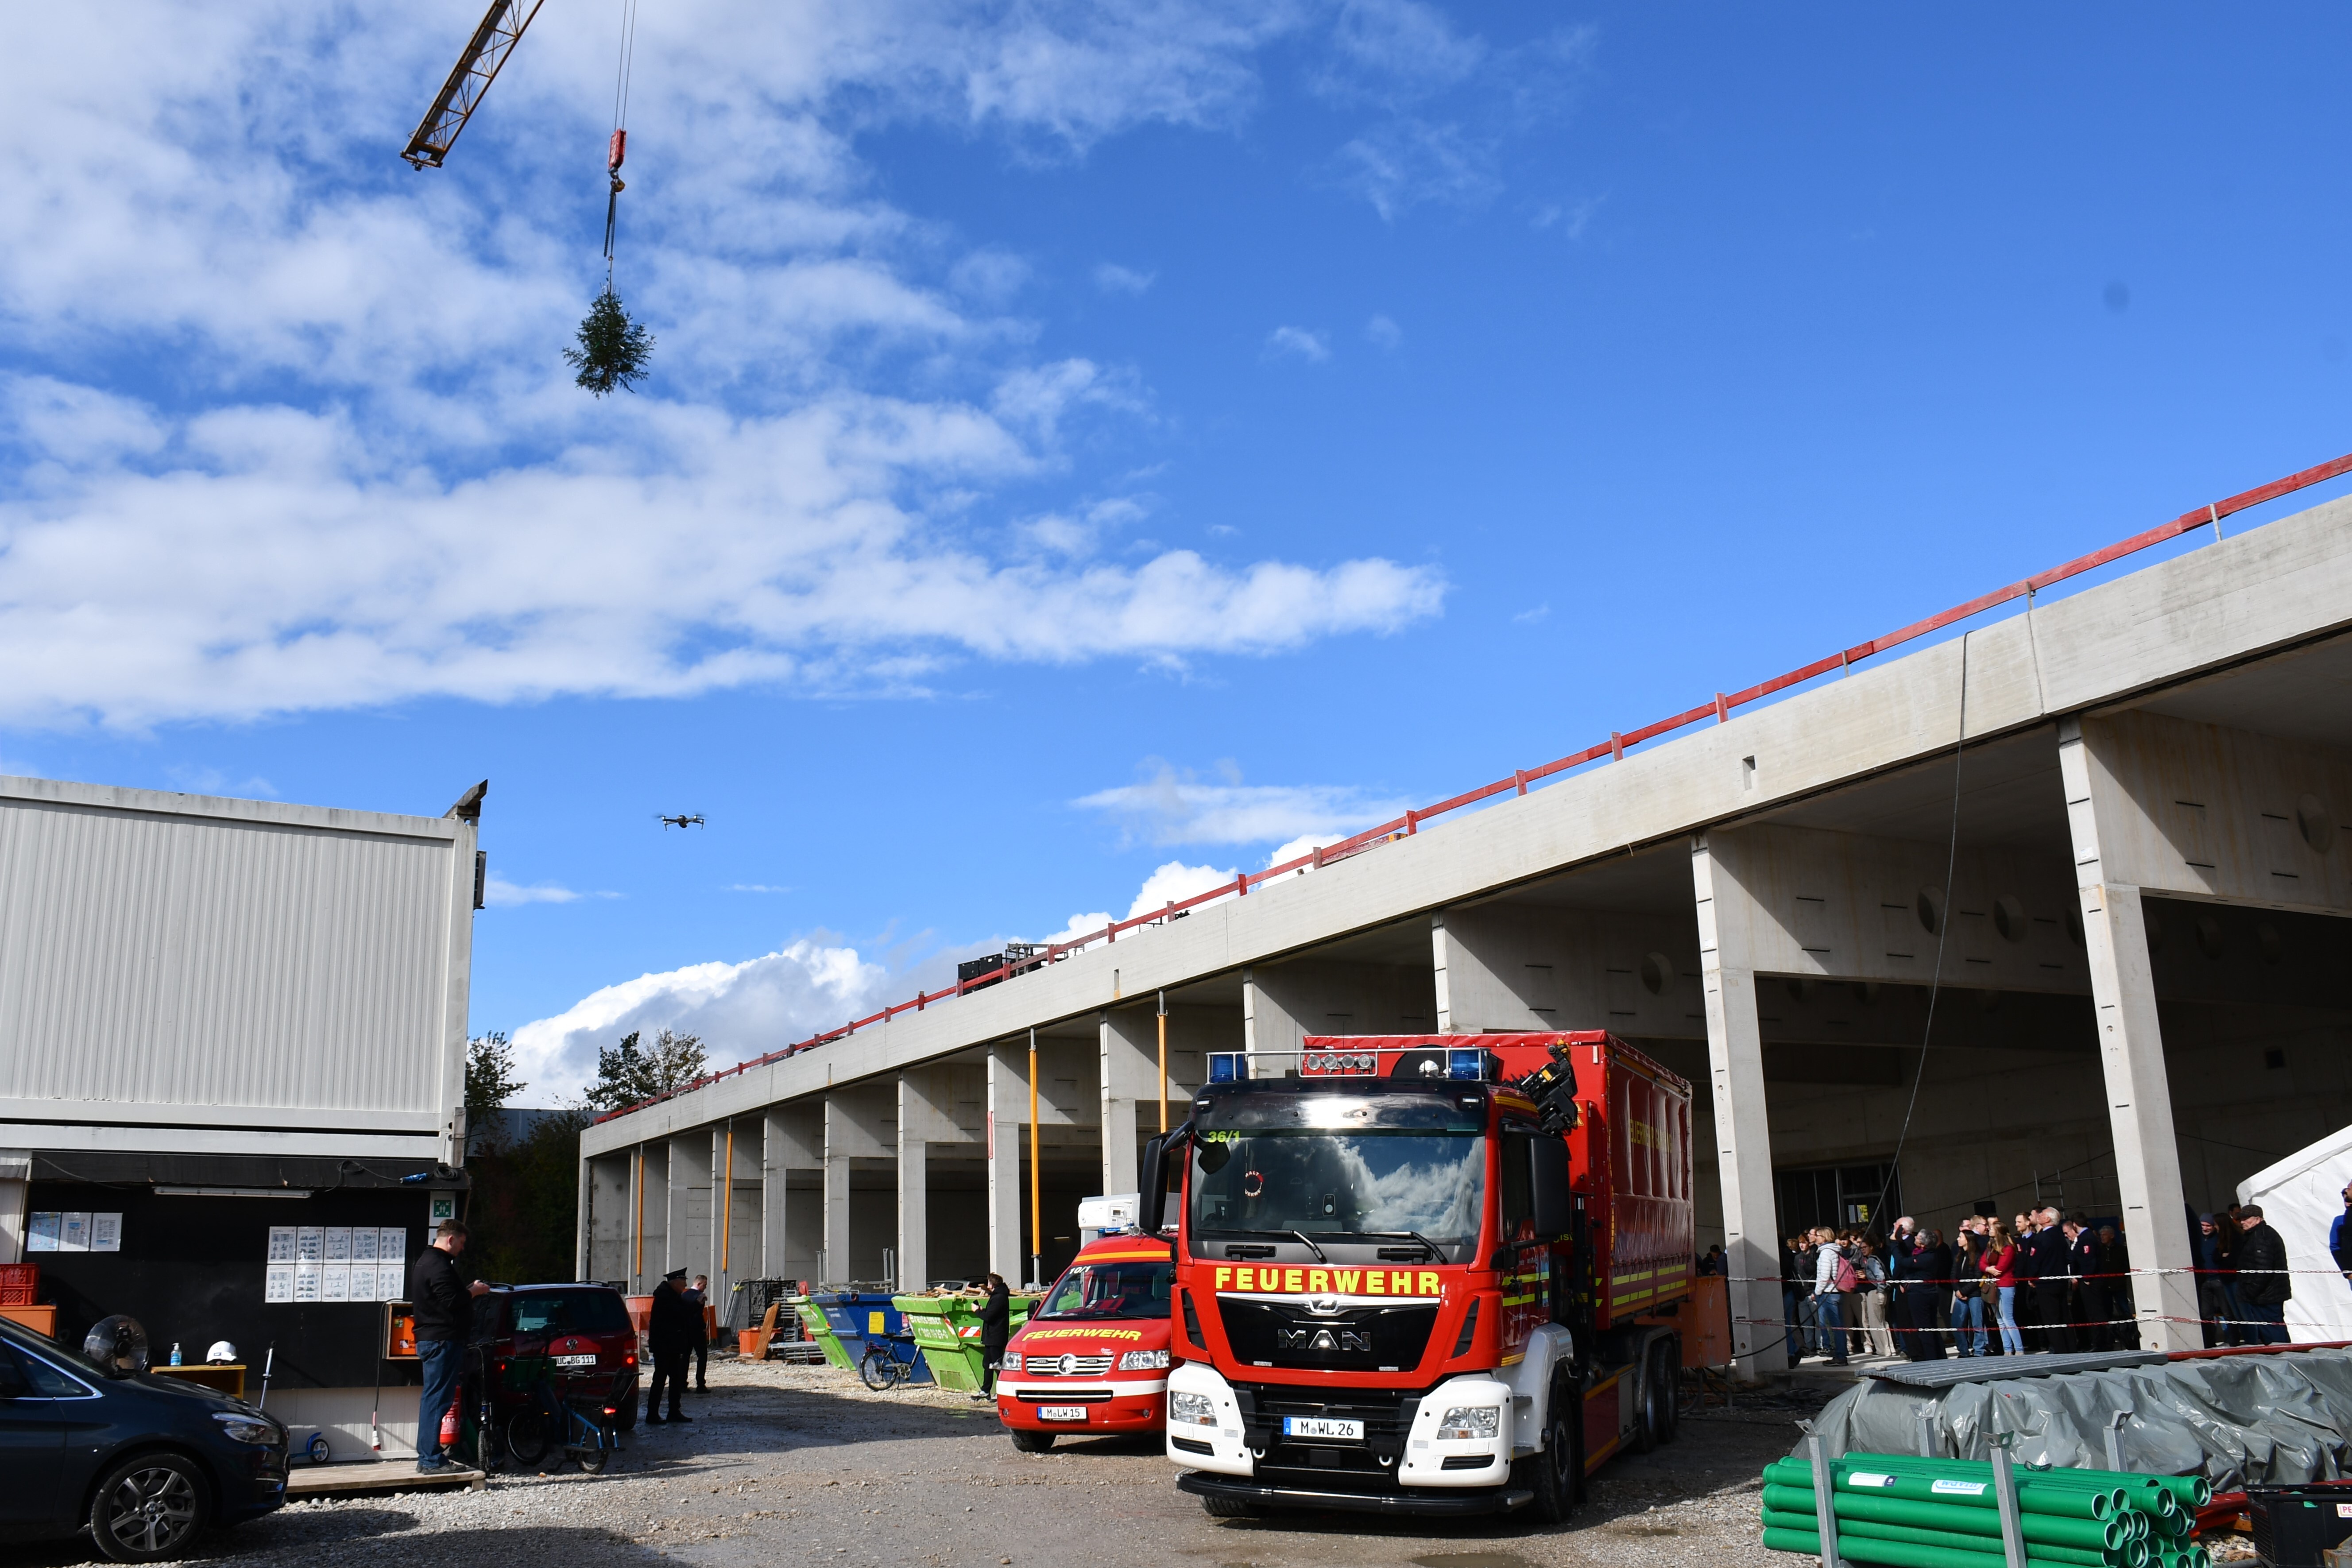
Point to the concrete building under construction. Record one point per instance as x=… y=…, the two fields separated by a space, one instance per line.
x=2109 y=833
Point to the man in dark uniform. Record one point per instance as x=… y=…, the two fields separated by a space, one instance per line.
x=2046 y=1260
x=670 y=1333
x=995 y=1334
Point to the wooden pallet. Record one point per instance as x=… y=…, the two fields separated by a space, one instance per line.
x=376 y=1476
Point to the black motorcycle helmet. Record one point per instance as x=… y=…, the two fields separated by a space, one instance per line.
x=118 y=1344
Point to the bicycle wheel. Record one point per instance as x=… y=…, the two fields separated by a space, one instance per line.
x=593 y=1460
x=528 y=1438
x=878 y=1370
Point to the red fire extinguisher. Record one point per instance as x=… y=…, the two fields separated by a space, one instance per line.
x=449 y=1426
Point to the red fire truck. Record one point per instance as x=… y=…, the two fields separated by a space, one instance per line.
x=1433 y=1274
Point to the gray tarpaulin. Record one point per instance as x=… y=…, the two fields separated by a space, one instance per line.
x=2266 y=1419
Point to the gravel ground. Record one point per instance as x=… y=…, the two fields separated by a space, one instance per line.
x=795 y=1465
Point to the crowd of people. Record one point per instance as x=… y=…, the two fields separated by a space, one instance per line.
x=2041 y=1282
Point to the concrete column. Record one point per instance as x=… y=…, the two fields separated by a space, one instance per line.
x=651 y=1210
x=736 y=1186
x=926 y=1116
x=1130 y=1091
x=1735 y=1048
x=1270 y=1031
x=2131 y=1045
x=792 y=1139
x=690 y=1203
x=1008 y=1125
x=584 y=1208
x=610 y=1183
x=855 y=1128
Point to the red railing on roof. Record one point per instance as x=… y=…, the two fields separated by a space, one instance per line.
x=2207 y=516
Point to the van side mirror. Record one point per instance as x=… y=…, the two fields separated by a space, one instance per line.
x=1555 y=1199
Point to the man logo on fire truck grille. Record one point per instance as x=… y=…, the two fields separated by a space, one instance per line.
x=1306 y=1339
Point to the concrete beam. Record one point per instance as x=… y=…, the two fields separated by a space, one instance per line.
x=2131 y=1042
x=1284 y=1003
x=1510 y=966
x=1728 y=918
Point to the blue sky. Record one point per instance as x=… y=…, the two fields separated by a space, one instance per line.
x=1088 y=447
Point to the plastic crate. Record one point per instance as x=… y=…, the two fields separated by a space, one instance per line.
x=20 y=1284
x=2293 y=1525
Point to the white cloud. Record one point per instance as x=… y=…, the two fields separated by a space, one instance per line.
x=1398 y=51
x=212 y=781
x=1170 y=807
x=1383 y=333
x=1297 y=340
x=754 y=887
x=502 y=894
x=1113 y=278
x=740 y=1010
x=1530 y=617
x=283 y=428
x=1406 y=162
x=1172 y=883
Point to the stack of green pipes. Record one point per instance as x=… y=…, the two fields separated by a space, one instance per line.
x=1907 y=1512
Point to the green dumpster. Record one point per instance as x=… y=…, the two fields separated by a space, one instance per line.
x=813 y=1323
x=947 y=1330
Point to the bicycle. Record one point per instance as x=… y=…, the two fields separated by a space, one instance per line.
x=884 y=1366
x=532 y=1431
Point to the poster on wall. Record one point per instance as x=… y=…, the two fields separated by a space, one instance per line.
x=339 y=1243
x=364 y=1278
x=309 y=1243
x=281 y=1244
x=391 y=1282
x=106 y=1233
x=364 y=1244
x=41 y=1233
x=335 y=1283
x=73 y=1231
x=391 y=1245
x=277 y=1282
x=307 y=1279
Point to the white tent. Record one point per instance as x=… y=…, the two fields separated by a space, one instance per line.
x=2301 y=1196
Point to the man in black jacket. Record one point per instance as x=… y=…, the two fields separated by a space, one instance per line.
x=2045 y=1260
x=2087 y=1264
x=995 y=1332
x=671 y=1328
x=2263 y=1284
x=443 y=1317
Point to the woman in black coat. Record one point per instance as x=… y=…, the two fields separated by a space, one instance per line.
x=996 y=1330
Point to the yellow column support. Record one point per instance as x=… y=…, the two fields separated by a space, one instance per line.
x=1163 y=1061
x=1036 y=1175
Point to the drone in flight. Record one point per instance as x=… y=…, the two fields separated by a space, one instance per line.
x=685 y=819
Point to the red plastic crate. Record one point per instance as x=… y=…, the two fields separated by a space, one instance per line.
x=20 y=1284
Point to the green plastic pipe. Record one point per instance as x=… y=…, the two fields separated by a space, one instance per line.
x=1892 y=1553
x=1778 y=1518
x=1961 y=1491
x=2192 y=1492
x=2090 y=1534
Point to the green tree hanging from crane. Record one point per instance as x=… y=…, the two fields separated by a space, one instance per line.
x=613 y=350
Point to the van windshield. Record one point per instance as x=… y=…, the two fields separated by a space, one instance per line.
x=568 y=1312
x=1135 y=1289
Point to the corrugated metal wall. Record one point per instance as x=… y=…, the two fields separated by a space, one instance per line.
x=196 y=960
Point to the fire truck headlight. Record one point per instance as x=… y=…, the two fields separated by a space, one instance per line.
x=1192 y=1409
x=1143 y=1361
x=1471 y=1421
x=1011 y=1362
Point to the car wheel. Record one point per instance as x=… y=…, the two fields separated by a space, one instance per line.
x=1556 y=1476
x=1030 y=1442
x=1229 y=1507
x=148 y=1509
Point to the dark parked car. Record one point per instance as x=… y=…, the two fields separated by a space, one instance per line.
x=142 y=1462
x=584 y=1334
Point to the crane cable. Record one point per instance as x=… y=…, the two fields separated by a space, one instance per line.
x=618 y=148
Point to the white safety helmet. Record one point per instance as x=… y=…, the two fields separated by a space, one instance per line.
x=222 y=1353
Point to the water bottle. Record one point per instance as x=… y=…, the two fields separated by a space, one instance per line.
x=175 y=1352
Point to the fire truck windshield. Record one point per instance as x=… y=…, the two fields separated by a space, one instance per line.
x=1370 y=1183
x=1129 y=1290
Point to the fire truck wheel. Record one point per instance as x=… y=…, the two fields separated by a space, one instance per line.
x=1649 y=1394
x=1030 y=1442
x=1229 y=1507
x=1556 y=1476
x=1670 y=1365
